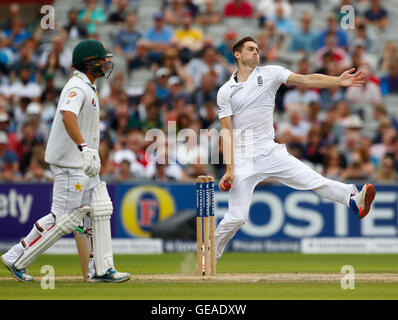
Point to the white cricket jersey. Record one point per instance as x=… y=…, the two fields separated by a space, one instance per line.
x=251 y=105
x=80 y=97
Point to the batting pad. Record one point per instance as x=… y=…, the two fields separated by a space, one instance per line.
x=101 y=211
x=48 y=237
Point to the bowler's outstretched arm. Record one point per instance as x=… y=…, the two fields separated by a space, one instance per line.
x=316 y=80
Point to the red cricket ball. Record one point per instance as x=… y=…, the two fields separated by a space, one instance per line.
x=227 y=184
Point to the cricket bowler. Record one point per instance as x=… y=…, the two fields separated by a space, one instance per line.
x=245 y=106
x=79 y=197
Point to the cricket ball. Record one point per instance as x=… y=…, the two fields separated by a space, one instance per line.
x=227 y=184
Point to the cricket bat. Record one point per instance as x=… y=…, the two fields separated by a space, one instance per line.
x=84 y=253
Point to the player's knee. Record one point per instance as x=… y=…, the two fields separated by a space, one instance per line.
x=45 y=222
x=234 y=220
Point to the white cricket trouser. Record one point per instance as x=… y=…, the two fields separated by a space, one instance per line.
x=72 y=189
x=278 y=165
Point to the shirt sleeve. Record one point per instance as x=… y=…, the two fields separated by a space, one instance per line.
x=224 y=108
x=281 y=75
x=73 y=101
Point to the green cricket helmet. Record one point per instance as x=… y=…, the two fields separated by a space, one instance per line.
x=86 y=55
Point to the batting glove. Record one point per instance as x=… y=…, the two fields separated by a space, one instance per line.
x=92 y=162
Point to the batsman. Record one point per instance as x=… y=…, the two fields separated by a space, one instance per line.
x=79 y=197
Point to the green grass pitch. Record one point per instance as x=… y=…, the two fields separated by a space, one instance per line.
x=68 y=284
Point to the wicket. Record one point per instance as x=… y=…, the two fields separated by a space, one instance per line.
x=205 y=226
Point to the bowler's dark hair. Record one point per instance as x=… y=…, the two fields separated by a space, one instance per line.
x=239 y=44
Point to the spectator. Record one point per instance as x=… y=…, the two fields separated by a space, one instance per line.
x=161 y=78
x=167 y=168
x=112 y=92
x=14 y=12
x=225 y=48
x=351 y=139
x=206 y=92
x=158 y=37
x=49 y=98
x=38 y=173
x=368 y=166
x=16 y=35
x=56 y=58
x=134 y=152
x=152 y=119
x=29 y=141
x=92 y=16
x=208 y=114
x=7 y=56
x=208 y=16
x=343 y=114
x=386 y=171
x=119 y=16
x=283 y=24
x=187 y=36
x=369 y=93
x=314 y=116
x=267 y=48
x=294 y=130
x=299 y=99
x=238 y=9
x=389 y=54
x=366 y=36
x=173 y=12
x=176 y=87
x=181 y=108
x=25 y=59
x=304 y=40
x=142 y=58
x=75 y=29
x=124 y=172
x=13 y=144
x=33 y=113
x=9 y=168
x=354 y=172
x=379 y=150
x=330 y=97
x=362 y=56
x=207 y=63
x=312 y=149
x=119 y=123
x=127 y=38
x=332 y=26
x=191 y=6
x=333 y=164
x=376 y=15
x=274 y=38
x=331 y=45
x=107 y=166
x=389 y=82
x=266 y=9
x=24 y=87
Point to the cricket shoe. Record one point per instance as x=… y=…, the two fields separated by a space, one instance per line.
x=111 y=276
x=20 y=275
x=361 y=202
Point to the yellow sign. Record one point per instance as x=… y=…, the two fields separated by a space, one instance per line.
x=143 y=206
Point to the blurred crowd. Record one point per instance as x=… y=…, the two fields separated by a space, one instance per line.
x=345 y=134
